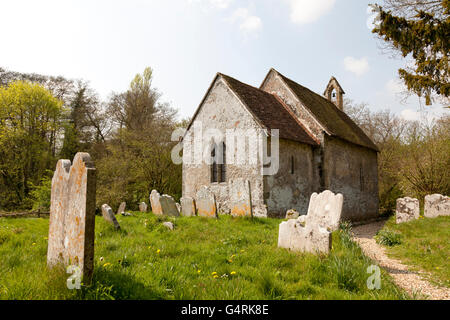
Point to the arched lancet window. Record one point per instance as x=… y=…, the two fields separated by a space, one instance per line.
x=218 y=166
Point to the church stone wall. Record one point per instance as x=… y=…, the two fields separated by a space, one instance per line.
x=222 y=110
x=353 y=171
x=287 y=190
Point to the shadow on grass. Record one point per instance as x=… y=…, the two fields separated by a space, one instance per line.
x=114 y=284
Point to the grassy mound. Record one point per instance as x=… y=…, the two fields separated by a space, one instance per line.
x=201 y=259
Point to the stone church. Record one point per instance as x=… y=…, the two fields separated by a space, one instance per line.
x=319 y=147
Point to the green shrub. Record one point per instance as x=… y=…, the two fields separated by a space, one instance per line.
x=388 y=238
x=40 y=195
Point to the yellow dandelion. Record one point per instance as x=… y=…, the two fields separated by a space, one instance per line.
x=158 y=251
x=230 y=261
x=33 y=244
x=214 y=273
x=233 y=256
x=106 y=264
x=233 y=273
x=215 y=276
x=199 y=271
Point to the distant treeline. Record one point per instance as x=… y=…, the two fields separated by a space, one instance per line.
x=45 y=118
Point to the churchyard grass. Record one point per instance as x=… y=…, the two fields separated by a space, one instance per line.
x=424 y=245
x=201 y=259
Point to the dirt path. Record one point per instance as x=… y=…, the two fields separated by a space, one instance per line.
x=411 y=281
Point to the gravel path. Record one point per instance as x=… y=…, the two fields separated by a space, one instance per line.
x=411 y=281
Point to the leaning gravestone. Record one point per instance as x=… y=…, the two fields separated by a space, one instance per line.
x=436 y=205
x=109 y=216
x=168 y=206
x=143 y=207
x=206 y=203
x=240 y=199
x=187 y=206
x=312 y=233
x=122 y=208
x=155 y=202
x=72 y=215
x=407 y=210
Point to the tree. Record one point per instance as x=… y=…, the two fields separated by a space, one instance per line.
x=139 y=149
x=30 y=121
x=420 y=29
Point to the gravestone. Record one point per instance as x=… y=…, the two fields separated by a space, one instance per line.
x=325 y=209
x=122 y=208
x=292 y=214
x=155 y=202
x=72 y=215
x=240 y=199
x=187 y=206
x=407 y=210
x=168 y=206
x=436 y=205
x=308 y=238
x=143 y=207
x=109 y=216
x=206 y=203
x=312 y=232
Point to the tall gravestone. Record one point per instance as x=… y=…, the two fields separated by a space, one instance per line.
x=187 y=206
x=206 y=203
x=240 y=199
x=155 y=202
x=312 y=232
x=122 y=208
x=72 y=215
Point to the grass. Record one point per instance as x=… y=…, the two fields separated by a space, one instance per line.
x=201 y=259
x=424 y=245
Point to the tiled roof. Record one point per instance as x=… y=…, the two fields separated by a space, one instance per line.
x=269 y=111
x=336 y=122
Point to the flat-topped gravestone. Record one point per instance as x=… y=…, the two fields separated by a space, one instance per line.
x=155 y=202
x=407 y=210
x=187 y=206
x=122 y=208
x=109 y=216
x=295 y=236
x=143 y=207
x=436 y=205
x=240 y=199
x=325 y=209
x=72 y=215
x=168 y=206
x=206 y=203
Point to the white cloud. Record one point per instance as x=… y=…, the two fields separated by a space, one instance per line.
x=220 y=4
x=307 y=11
x=248 y=24
x=356 y=66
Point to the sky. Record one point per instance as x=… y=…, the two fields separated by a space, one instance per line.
x=186 y=42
